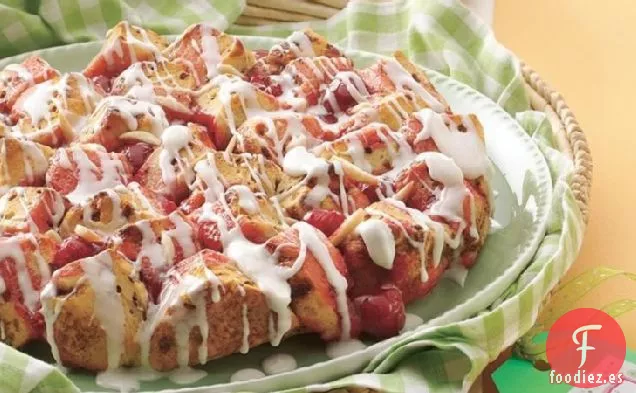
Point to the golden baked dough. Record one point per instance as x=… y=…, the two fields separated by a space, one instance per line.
x=52 y=112
x=23 y=162
x=169 y=170
x=31 y=209
x=209 y=52
x=125 y=44
x=94 y=308
x=24 y=270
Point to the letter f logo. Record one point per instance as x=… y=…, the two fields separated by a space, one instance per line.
x=583 y=344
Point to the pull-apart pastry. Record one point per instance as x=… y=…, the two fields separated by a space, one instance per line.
x=24 y=271
x=16 y=78
x=177 y=203
x=53 y=112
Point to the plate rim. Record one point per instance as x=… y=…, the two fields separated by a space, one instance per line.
x=456 y=314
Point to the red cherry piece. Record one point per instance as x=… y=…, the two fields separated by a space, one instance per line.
x=151 y=278
x=72 y=249
x=382 y=315
x=343 y=97
x=137 y=154
x=327 y=221
x=209 y=236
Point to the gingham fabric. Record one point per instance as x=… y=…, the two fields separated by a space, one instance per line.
x=439 y=34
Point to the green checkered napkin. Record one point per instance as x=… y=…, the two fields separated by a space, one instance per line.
x=439 y=34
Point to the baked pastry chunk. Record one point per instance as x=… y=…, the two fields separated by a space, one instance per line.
x=125 y=44
x=220 y=171
x=156 y=244
x=165 y=83
x=209 y=309
x=118 y=121
x=274 y=135
x=23 y=162
x=177 y=203
x=453 y=136
x=169 y=170
x=24 y=271
x=399 y=74
x=31 y=209
x=110 y=209
x=227 y=102
x=53 y=112
x=300 y=44
x=331 y=184
x=80 y=171
x=16 y=78
x=94 y=309
x=208 y=51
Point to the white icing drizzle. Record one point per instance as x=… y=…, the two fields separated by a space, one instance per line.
x=299 y=44
x=228 y=86
x=247 y=199
x=298 y=162
x=136 y=189
x=279 y=363
x=309 y=238
x=19 y=70
x=162 y=253
x=130 y=108
x=338 y=349
x=175 y=139
x=125 y=380
x=11 y=248
x=133 y=43
x=404 y=81
x=465 y=148
x=47 y=295
x=246 y=374
x=210 y=50
x=425 y=222
x=89 y=183
x=36 y=101
x=139 y=86
x=108 y=308
x=261 y=266
x=172 y=296
x=353 y=83
x=35 y=162
x=245 y=344
x=411 y=322
x=117 y=218
x=378 y=238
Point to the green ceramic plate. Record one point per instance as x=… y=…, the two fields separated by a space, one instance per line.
x=522 y=186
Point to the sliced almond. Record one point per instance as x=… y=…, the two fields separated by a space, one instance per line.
x=405 y=192
x=347 y=227
x=168 y=247
x=141 y=136
x=228 y=69
x=53 y=235
x=356 y=173
x=87 y=234
x=231 y=144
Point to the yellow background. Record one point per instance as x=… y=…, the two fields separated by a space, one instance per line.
x=586 y=49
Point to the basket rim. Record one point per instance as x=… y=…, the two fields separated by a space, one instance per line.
x=565 y=128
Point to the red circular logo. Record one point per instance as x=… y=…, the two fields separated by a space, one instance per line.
x=586 y=348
